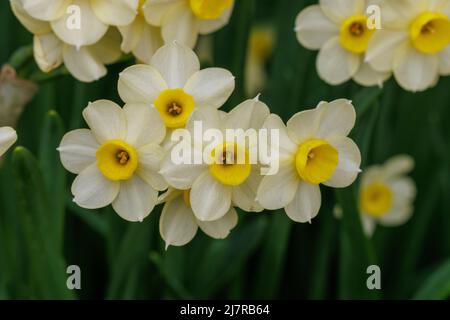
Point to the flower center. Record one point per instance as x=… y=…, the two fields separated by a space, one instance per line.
x=117 y=160
x=376 y=199
x=231 y=165
x=354 y=34
x=175 y=106
x=209 y=9
x=316 y=160
x=430 y=32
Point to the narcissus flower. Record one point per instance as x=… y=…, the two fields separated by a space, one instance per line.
x=174 y=84
x=339 y=29
x=8 y=137
x=86 y=63
x=414 y=42
x=82 y=22
x=225 y=181
x=117 y=160
x=386 y=194
x=184 y=20
x=314 y=150
x=178 y=224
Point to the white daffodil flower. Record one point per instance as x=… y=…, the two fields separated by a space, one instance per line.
x=414 y=42
x=174 y=84
x=184 y=20
x=8 y=137
x=117 y=160
x=90 y=18
x=339 y=30
x=386 y=194
x=216 y=186
x=86 y=63
x=314 y=149
x=178 y=224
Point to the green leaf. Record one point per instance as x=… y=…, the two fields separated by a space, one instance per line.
x=436 y=285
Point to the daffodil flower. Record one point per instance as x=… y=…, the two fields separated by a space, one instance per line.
x=184 y=20
x=174 y=84
x=339 y=29
x=8 y=137
x=178 y=224
x=314 y=150
x=386 y=194
x=218 y=185
x=117 y=160
x=414 y=42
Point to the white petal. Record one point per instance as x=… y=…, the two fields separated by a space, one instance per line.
x=398 y=215
x=304 y=125
x=313 y=28
x=144 y=125
x=106 y=120
x=115 y=12
x=287 y=148
x=210 y=26
x=90 y=30
x=251 y=113
x=177 y=224
x=210 y=200
x=180 y=25
x=399 y=14
x=349 y=162
x=176 y=63
x=404 y=189
x=33 y=25
x=368 y=224
x=413 y=70
x=444 y=61
x=210 y=87
x=210 y=118
x=398 y=165
x=149 y=43
x=107 y=50
x=131 y=34
x=338 y=10
x=150 y=158
x=140 y=84
x=48 y=51
x=47 y=10
x=91 y=190
x=277 y=191
x=77 y=150
x=368 y=76
x=244 y=195
x=383 y=47
x=136 y=199
x=83 y=64
x=336 y=65
x=220 y=229
x=8 y=137
x=306 y=203
x=155 y=10
x=337 y=118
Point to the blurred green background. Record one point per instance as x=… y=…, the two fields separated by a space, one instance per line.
x=267 y=255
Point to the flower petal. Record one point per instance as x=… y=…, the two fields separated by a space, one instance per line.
x=303 y=125
x=83 y=64
x=91 y=190
x=336 y=65
x=77 y=150
x=107 y=50
x=277 y=191
x=115 y=12
x=210 y=200
x=338 y=10
x=251 y=113
x=140 y=84
x=368 y=224
x=337 y=118
x=155 y=10
x=136 y=199
x=180 y=25
x=444 y=62
x=306 y=203
x=313 y=28
x=47 y=10
x=398 y=165
x=349 y=161
x=368 y=76
x=106 y=120
x=398 y=215
x=150 y=158
x=286 y=147
x=244 y=195
x=210 y=26
x=177 y=224
x=150 y=41
x=176 y=63
x=8 y=137
x=48 y=51
x=220 y=229
x=144 y=125
x=35 y=26
x=90 y=30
